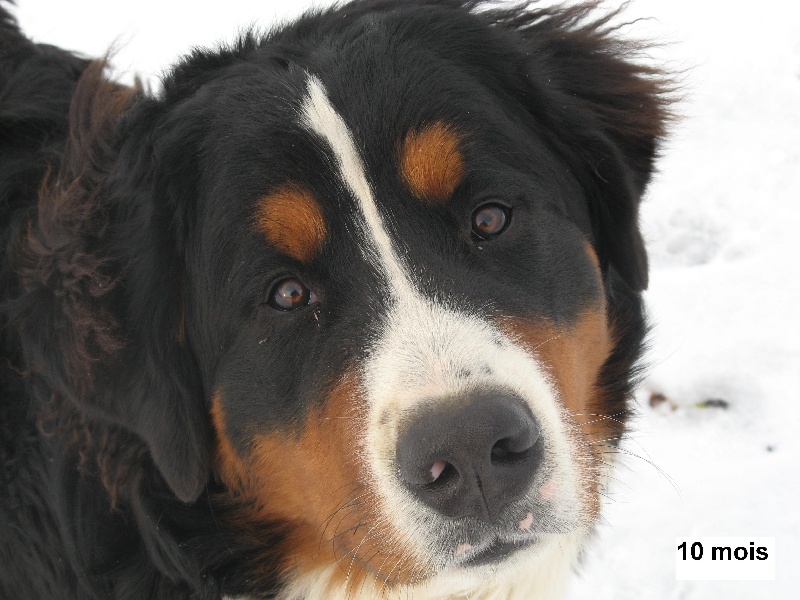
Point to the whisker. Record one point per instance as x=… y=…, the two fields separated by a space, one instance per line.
x=365 y=562
x=346 y=504
x=649 y=462
x=600 y=417
x=555 y=337
x=355 y=550
x=354 y=528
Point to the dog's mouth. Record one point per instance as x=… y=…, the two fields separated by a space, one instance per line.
x=478 y=543
x=496 y=551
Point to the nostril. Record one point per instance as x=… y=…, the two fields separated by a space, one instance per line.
x=500 y=451
x=442 y=473
x=513 y=449
x=436 y=469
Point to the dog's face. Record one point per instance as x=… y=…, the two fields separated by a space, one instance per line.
x=411 y=325
x=402 y=279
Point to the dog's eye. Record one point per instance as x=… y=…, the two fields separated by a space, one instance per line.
x=490 y=220
x=290 y=293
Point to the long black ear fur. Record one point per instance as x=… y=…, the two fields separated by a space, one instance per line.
x=94 y=318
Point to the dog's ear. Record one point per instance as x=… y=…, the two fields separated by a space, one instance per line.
x=602 y=109
x=99 y=312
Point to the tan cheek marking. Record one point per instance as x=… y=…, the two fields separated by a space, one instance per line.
x=592 y=254
x=292 y=220
x=313 y=483
x=574 y=357
x=431 y=162
x=227 y=463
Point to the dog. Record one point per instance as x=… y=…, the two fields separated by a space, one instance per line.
x=351 y=309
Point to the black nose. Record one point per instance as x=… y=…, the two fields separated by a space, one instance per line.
x=470 y=456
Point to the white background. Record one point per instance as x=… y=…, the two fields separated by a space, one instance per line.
x=722 y=220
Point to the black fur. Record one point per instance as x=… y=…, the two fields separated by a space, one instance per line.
x=131 y=284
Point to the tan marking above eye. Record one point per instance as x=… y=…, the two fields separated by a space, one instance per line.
x=291 y=219
x=431 y=162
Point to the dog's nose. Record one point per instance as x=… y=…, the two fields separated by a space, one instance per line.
x=470 y=456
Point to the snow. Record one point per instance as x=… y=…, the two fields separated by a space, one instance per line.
x=721 y=220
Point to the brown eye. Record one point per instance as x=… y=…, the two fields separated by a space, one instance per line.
x=291 y=293
x=490 y=220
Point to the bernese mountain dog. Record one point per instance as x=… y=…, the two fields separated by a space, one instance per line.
x=349 y=309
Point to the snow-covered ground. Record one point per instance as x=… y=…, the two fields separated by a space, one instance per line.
x=722 y=220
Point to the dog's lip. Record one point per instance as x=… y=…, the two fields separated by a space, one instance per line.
x=493 y=552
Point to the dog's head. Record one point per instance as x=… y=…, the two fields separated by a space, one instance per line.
x=378 y=273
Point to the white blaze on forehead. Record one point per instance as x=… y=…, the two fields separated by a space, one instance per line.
x=321 y=117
